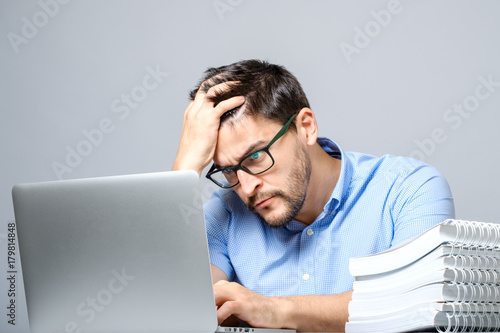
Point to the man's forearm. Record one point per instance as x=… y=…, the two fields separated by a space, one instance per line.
x=315 y=313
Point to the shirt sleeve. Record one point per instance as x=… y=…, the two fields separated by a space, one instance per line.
x=422 y=199
x=217 y=219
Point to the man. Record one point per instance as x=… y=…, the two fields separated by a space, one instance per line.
x=293 y=207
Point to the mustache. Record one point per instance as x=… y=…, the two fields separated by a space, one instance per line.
x=263 y=196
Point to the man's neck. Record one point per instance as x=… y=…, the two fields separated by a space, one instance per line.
x=325 y=172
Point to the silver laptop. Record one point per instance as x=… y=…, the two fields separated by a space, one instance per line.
x=116 y=254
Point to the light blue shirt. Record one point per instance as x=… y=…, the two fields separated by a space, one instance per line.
x=376 y=204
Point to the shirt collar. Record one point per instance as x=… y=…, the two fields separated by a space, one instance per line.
x=342 y=186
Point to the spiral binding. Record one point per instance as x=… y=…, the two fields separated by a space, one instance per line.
x=473 y=233
x=475 y=253
x=473 y=294
x=475 y=262
x=471 y=317
x=476 y=275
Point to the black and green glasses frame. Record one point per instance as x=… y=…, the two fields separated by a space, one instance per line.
x=233 y=169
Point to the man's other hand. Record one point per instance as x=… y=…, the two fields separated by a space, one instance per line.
x=235 y=300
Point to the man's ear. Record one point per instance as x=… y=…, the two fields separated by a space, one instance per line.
x=306 y=126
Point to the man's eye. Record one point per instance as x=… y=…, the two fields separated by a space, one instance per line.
x=256 y=155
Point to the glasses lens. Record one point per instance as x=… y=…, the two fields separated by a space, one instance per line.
x=255 y=163
x=258 y=161
x=224 y=178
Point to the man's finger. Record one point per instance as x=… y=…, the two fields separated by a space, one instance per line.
x=211 y=81
x=203 y=100
x=229 y=104
x=220 y=88
x=203 y=96
x=224 y=292
x=221 y=282
x=226 y=310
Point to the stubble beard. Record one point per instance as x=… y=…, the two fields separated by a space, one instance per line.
x=293 y=198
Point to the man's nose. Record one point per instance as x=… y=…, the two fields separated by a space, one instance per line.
x=249 y=183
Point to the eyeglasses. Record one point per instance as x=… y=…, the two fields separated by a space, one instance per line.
x=254 y=163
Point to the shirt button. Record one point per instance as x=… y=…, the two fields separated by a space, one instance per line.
x=305 y=277
x=310 y=232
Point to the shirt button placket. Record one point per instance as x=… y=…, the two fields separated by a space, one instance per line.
x=307 y=264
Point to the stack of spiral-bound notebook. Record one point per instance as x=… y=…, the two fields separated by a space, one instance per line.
x=447 y=279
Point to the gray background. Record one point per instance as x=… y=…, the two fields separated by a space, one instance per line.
x=69 y=74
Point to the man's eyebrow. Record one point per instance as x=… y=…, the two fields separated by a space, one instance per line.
x=253 y=147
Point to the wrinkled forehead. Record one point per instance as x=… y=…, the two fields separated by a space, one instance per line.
x=241 y=136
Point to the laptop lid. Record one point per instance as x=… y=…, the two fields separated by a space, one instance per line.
x=115 y=254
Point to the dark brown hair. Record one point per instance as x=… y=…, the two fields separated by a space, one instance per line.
x=270 y=90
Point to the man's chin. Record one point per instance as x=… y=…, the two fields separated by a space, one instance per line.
x=277 y=225
x=274 y=221
x=279 y=212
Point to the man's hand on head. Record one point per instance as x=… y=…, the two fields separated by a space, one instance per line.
x=200 y=128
